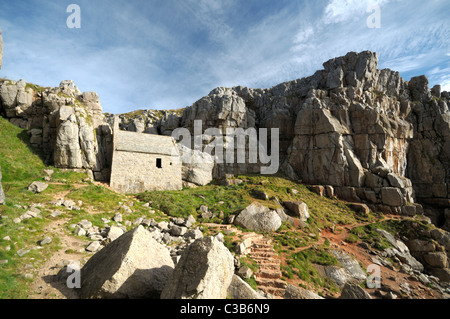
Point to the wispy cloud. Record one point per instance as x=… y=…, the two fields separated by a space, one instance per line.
x=167 y=54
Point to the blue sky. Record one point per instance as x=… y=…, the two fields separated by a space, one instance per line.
x=169 y=53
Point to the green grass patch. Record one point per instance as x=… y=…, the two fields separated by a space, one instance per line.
x=229 y=200
x=301 y=264
x=398 y=228
x=99 y=197
x=352 y=239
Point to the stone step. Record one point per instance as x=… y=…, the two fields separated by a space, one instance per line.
x=276 y=292
x=258 y=242
x=268 y=274
x=270 y=266
x=255 y=237
x=271 y=283
x=268 y=249
x=260 y=253
x=261 y=259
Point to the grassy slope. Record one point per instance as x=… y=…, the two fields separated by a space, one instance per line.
x=21 y=165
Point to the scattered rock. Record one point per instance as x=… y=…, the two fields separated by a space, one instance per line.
x=37 y=187
x=48 y=173
x=259 y=194
x=45 y=241
x=360 y=208
x=85 y=224
x=178 y=230
x=23 y=252
x=56 y=213
x=318 y=189
x=94 y=246
x=80 y=231
x=194 y=234
x=299 y=209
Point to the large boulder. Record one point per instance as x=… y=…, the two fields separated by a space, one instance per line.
x=442 y=273
x=257 y=217
x=204 y=271
x=300 y=209
x=239 y=289
x=392 y=196
x=354 y=291
x=293 y=292
x=133 y=266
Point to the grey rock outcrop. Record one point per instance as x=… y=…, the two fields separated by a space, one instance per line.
x=401 y=251
x=133 y=266
x=364 y=132
x=293 y=292
x=66 y=125
x=257 y=217
x=350 y=265
x=354 y=291
x=351 y=126
x=204 y=271
x=349 y=269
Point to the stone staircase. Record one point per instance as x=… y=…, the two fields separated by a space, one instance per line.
x=269 y=274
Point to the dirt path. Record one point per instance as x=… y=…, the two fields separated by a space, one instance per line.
x=45 y=285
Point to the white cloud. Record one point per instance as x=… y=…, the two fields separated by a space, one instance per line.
x=345 y=10
x=445 y=83
x=188 y=47
x=304 y=35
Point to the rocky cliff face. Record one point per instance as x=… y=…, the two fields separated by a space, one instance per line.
x=65 y=124
x=367 y=133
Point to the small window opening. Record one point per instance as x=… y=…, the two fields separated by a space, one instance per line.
x=159 y=163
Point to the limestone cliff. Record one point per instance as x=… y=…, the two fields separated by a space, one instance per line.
x=366 y=132
x=65 y=124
